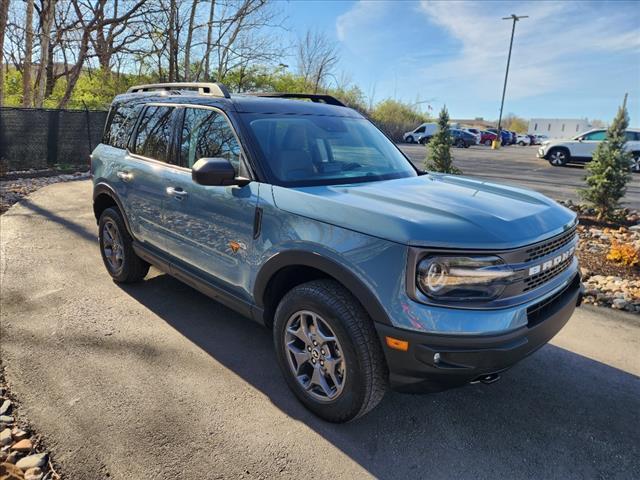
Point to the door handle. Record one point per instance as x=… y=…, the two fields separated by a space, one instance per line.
x=125 y=176
x=178 y=193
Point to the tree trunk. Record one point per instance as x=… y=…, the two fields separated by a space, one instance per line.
x=27 y=86
x=172 y=44
x=207 y=54
x=4 y=12
x=187 y=45
x=48 y=14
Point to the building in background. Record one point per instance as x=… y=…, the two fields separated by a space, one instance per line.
x=558 y=127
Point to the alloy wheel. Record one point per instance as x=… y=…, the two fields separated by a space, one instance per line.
x=558 y=158
x=112 y=246
x=315 y=356
x=635 y=164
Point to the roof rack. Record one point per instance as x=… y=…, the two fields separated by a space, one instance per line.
x=316 y=98
x=214 y=89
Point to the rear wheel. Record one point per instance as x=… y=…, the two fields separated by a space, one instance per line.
x=459 y=143
x=116 y=247
x=558 y=157
x=521 y=143
x=329 y=352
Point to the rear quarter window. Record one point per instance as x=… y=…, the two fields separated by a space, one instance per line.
x=120 y=122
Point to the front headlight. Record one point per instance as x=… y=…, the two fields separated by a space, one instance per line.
x=459 y=278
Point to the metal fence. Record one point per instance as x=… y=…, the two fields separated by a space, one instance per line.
x=43 y=138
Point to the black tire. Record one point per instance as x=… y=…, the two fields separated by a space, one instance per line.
x=365 y=373
x=424 y=140
x=410 y=139
x=132 y=268
x=487 y=143
x=558 y=157
x=459 y=143
x=521 y=143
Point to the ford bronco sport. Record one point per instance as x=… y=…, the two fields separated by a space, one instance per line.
x=303 y=216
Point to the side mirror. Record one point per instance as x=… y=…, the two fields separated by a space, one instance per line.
x=216 y=172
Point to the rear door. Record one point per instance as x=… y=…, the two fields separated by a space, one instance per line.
x=141 y=174
x=210 y=227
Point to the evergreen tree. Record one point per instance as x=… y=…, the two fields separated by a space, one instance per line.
x=439 y=148
x=609 y=171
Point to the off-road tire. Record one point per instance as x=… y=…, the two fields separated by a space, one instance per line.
x=133 y=267
x=366 y=378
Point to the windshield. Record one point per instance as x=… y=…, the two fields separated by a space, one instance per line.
x=302 y=150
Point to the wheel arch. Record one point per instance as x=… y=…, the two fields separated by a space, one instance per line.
x=288 y=269
x=105 y=197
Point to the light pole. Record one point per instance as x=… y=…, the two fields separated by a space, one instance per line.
x=515 y=18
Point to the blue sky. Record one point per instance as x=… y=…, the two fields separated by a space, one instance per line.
x=570 y=59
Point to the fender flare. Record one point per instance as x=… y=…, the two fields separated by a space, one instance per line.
x=105 y=189
x=316 y=260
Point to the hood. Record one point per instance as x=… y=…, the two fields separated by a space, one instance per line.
x=432 y=210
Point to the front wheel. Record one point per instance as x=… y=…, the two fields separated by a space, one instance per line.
x=521 y=144
x=558 y=157
x=487 y=143
x=409 y=139
x=329 y=352
x=459 y=143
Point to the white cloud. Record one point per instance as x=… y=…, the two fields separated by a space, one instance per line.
x=362 y=14
x=546 y=44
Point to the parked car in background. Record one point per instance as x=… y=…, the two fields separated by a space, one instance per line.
x=505 y=137
x=487 y=137
x=523 y=140
x=422 y=134
x=475 y=132
x=532 y=139
x=514 y=137
x=580 y=148
x=453 y=283
x=541 y=138
x=462 y=138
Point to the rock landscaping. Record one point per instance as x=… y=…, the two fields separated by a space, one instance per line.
x=609 y=254
x=22 y=454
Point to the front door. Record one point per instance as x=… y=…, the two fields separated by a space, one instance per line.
x=588 y=144
x=210 y=227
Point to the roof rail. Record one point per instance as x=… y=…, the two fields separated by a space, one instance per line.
x=215 y=89
x=316 y=98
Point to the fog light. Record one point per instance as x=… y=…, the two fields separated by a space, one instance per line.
x=436 y=358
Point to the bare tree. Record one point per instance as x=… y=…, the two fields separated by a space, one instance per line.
x=47 y=14
x=4 y=15
x=27 y=86
x=187 y=44
x=317 y=57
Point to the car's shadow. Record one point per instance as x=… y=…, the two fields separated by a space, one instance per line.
x=555 y=414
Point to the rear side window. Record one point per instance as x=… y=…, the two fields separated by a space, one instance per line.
x=154 y=133
x=632 y=136
x=207 y=133
x=122 y=119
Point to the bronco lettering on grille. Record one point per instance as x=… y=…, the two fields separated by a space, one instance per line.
x=552 y=262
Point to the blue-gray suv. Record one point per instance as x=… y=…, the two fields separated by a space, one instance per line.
x=297 y=212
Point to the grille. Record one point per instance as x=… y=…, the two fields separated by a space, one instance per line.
x=549 y=246
x=537 y=280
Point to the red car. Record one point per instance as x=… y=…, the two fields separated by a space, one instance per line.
x=487 y=137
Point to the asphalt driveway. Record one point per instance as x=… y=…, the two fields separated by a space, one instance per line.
x=156 y=381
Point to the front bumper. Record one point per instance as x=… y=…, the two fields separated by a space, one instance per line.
x=464 y=358
x=541 y=153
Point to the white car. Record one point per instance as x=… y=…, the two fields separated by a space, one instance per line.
x=580 y=149
x=421 y=134
x=523 y=140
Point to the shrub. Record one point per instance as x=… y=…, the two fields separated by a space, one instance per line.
x=609 y=171
x=395 y=118
x=439 y=148
x=624 y=253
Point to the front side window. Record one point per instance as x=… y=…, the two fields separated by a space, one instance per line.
x=207 y=133
x=304 y=150
x=154 y=133
x=596 y=136
x=420 y=129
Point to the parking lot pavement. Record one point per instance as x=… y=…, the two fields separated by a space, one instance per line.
x=519 y=166
x=154 y=380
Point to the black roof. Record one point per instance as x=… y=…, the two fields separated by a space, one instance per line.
x=243 y=103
